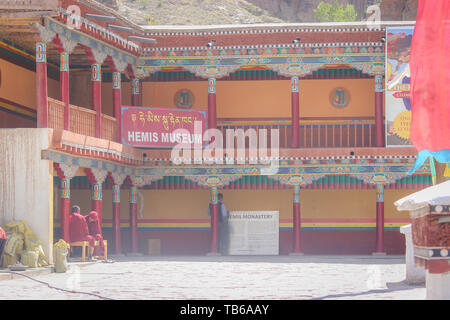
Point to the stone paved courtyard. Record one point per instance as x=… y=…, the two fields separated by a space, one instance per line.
x=236 y=278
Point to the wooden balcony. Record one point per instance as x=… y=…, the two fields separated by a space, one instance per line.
x=314 y=133
x=82 y=120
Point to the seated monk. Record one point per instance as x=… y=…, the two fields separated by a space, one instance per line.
x=79 y=230
x=95 y=230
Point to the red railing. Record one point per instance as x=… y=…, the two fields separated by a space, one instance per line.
x=55 y=114
x=82 y=120
x=108 y=128
x=313 y=133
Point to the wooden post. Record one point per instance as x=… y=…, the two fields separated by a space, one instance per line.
x=65 y=209
x=136 y=94
x=116 y=218
x=380 y=221
x=133 y=219
x=214 y=222
x=212 y=122
x=41 y=85
x=296 y=245
x=117 y=104
x=295 y=111
x=64 y=92
x=96 y=79
x=379 y=125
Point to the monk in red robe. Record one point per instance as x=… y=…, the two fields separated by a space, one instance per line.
x=95 y=230
x=79 y=229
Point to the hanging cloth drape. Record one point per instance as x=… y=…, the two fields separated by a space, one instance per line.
x=430 y=82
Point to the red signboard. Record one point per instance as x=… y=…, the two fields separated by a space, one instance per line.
x=156 y=127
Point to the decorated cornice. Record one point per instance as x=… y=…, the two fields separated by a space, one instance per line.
x=96 y=45
x=298 y=64
x=258 y=29
x=269 y=48
x=380 y=172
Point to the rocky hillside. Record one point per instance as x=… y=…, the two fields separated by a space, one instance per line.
x=204 y=12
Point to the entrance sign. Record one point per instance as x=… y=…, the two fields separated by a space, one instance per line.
x=155 y=127
x=398 y=105
x=253 y=232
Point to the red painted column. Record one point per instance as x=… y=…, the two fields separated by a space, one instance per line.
x=136 y=94
x=117 y=104
x=296 y=245
x=96 y=79
x=295 y=113
x=380 y=220
x=212 y=121
x=41 y=85
x=214 y=222
x=116 y=219
x=65 y=209
x=133 y=219
x=64 y=92
x=379 y=123
x=97 y=199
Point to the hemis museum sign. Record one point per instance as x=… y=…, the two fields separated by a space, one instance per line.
x=159 y=128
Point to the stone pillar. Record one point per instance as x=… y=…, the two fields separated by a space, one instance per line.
x=133 y=220
x=117 y=104
x=41 y=85
x=379 y=123
x=296 y=244
x=414 y=275
x=214 y=222
x=212 y=121
x=96 y=79
x=295 y=112
x=136 y=94
x=380 y=222
x=64 y=92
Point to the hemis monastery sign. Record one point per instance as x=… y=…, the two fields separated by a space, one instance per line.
x=159 y=128
x=253 y=233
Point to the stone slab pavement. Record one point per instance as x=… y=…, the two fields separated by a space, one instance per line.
x=225 y=278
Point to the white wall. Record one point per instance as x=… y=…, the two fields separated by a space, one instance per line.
x=26 y=182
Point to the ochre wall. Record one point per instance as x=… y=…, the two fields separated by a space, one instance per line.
x=269 y=98
x=193 y=204
x=161 y=94
x=19 y=85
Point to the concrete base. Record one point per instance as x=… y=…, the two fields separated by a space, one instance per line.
x=379 y=254
x=134 y=254
x=296 y=254
x=116 y=255
x=213 y=254
x=438 y=286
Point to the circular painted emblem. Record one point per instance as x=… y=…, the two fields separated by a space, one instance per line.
x=340 y=97
x=184 y=99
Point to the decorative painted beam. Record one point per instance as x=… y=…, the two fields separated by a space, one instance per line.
x=289 y=65
x=119 y=56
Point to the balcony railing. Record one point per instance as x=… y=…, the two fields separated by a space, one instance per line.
x=314 y=133
x=82 y=120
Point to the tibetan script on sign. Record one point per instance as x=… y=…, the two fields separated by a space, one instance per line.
x=158 y=128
